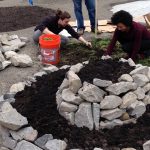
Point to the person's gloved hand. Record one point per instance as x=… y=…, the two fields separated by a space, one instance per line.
x=105 y=57
x=88 y=44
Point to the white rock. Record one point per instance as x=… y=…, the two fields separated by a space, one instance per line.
x=69 y=116
x=59 y=98
x=110 y=124
x=96 y=115
x=146 y=145
x=67 y=107
x=106 y=57
x=56 y=145
x=140 y=93
x=112 y=114
x=41 y=141
x=132 y=120
x=146 y=100
x=140 y=79
x=50 y=69
x=128 y=149
x=64 y=67
x=138 y=65
x=27 y=133
x=74 y=82
x=5 y=64
x=40 y=74
x=10 y=118
x=110 y=102
x=6 y=48
x=64 y=85
x=121 y=87
x=85 y=62
x=1 y=57
x=137 y=109
x=125 y=77
x=17 y=42
x=128 y=99
x=131 y=62
x=140 y=70
x=24 y=145
x=83 y=117
x=10 y=54
x=21 y=60
x=3 y=148
x=12 y=37
x=146 y=88
x=148 y=74
x=91 y=93
x=24 y=39
x=5 y=39
x=69 y=96
x=98 y=149
x=101 y=83
x=123 y=60
x=17 y=87
x=76 y=68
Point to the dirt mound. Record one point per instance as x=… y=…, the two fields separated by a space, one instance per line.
x=38 y=104
x=21 y=17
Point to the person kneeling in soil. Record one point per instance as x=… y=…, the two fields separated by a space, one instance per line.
x=54 y=25
x=133 y=37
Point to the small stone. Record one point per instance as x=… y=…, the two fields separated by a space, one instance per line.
x=74 y=82
x=101 y=83
x=146 y=88
x=6 y=64
x=27 y=133
x=64 y=85
x=50 y=69
x=56 y=145
x=1 y=57
x=125 y=77
x=41 y=141
x=67 y=107
x=110 y=102
x=131 y=62
x=112 y=114
x=91 y=93
x=110 y=124
x=24 y=39
x=132 y=120
x=83 y=117
x=140 y=70
x=98 y=149
x=128 y=99
x=65 y=67
x=121 y=87
x=146 y=145
x=10 y=54
x=17 y=87
x=21 y=60
x=146 y=100
x=125 y=116
x=140 y=93
x=40 y=74
x=24 y=145
x=137 y=109
x=140 y=79
x=128 y=149
x=96 y=115
x=76 y=68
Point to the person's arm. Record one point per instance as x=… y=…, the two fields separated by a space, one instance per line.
x=46 y=31
x=75 y=35
x=112 y=44
x=136 y=44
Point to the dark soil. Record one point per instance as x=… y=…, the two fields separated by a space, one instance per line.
x=17 y=18
x=38 y=104
x=104 y=69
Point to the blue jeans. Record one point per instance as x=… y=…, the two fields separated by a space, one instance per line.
x=90 y=5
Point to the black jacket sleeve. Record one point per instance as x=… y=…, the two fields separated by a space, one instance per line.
x=72 y=32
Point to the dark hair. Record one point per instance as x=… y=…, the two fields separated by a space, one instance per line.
x=122 y=17
x=62 y=14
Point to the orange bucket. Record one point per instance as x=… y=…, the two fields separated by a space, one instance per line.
x=50 y=48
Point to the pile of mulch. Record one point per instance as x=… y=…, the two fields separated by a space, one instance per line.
x=38 y=104
x=17 y=18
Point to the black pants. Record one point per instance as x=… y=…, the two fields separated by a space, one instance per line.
x=145 y=48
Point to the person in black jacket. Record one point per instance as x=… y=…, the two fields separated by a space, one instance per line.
x=54 y=24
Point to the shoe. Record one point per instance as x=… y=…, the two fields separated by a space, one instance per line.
x=93 y=31
x=80 y=31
